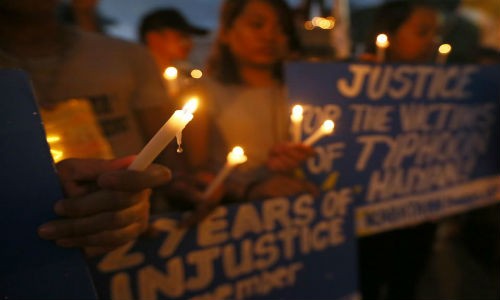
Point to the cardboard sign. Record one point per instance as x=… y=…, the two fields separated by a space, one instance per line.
x=31 y=268
x=300 y=248
x=418 y=142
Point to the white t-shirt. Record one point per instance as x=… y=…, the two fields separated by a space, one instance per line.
x=253 y=118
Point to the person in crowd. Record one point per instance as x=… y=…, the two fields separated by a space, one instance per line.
x=412 y=28
x=117 y=78
x=168 y=36
x=391 y=263
x=243 y=103
x=119 y=81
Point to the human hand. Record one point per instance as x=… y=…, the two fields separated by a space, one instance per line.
x=190 y=189
x=285 y=157
x=107 y=205
x=280 y=186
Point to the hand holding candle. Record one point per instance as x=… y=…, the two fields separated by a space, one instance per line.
x=382 y=43
x=325 y=129
x=443 y=52
x=235 y=157
x=296 y=119
x=167 y=132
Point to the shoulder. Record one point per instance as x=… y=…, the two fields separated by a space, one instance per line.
x=106 y=43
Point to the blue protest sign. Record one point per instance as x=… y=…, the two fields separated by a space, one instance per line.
x=299 y=248
x=417 y=142
x=31 y=268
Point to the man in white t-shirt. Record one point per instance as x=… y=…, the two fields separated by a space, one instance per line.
x=121 y=83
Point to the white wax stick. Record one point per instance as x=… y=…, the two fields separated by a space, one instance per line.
x=160 y=140
x=441 y=58
x=173 y=86
x=313 y=138
x=296 y=132
x=296 y=117
x=221 y=176
x=380 y=54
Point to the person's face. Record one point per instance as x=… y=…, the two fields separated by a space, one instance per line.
x=415 y=40
x=171 y=44
x=256 y=36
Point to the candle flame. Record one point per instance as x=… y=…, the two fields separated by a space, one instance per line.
x=382 y=41
x=170 y=73
x=297 y=110
x=444 y=49
x=328 y=126
x=53 y=139
x=236 y=156
x=196 y=74
x=191 y=106
x=57 y=155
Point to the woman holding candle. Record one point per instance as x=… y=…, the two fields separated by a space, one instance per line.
x=243 y=102
x=411 y=29
x=391 y=263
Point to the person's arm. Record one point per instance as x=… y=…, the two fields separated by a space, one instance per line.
x=106 y=205
x=285 y=157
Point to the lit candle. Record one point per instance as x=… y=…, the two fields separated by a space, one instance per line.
x=296 y=119
x=167 y=132
x=325 y=129
x=170 y=75
x=382 y=43
x=196 y=73
x=443 y=52
x=235 y=157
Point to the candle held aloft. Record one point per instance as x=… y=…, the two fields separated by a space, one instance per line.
x=234 y=158
x=167 y=133
x=171 y=75
x=382 y=43
x=296 y=118
x=443 y=52
x=325 y=129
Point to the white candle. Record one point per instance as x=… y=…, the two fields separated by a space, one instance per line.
x=325 y=129
x=443 y=52
x=235 y=157
x=296 y=119
x=382 y=43
x=167 y=132
x=171 y=75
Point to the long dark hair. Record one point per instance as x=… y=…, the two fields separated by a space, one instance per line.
x=221 y=63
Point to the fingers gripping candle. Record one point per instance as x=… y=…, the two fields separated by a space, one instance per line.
x=234 y=158
x=167 y=133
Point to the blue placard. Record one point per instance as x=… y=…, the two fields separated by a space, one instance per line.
x=299 y=248
x=31 y=268
x=418 y=142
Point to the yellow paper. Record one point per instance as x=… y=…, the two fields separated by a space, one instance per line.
x=73 y=131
